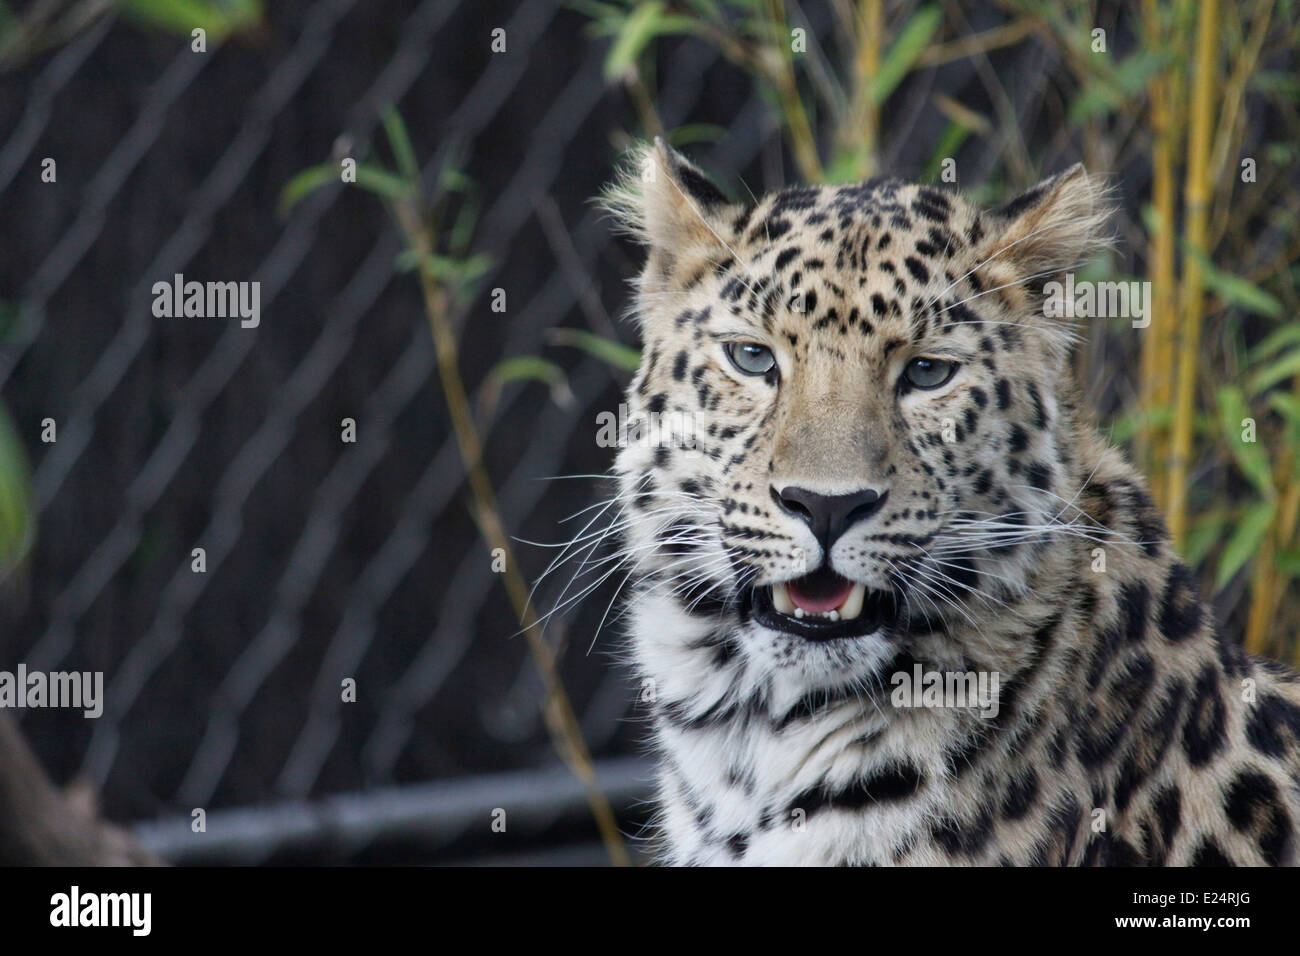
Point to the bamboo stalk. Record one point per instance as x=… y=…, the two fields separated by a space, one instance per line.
x=1267 y=584
x=1196 y=197
x=1009 y=34
x=1157 y=343
x=861 y=129
x=803 y=141
x=565 y=732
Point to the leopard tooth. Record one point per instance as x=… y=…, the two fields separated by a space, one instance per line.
x=781 y=599
x=852 y=605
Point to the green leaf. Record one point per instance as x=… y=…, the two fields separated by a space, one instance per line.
x=1275 y=81
x=844 y=166
x=17 y=527
x=697 y=133
x=1275 y=341
x=524 y=368
x=642 y=25
x=1251 y=457
x=218 y=19
x=1285 y=367
x=1204 y=532
x=1233 y=289
x=370 y=178
x=461 y=232
x=447 y=270
x=614 y=353
x=380 y=181
x=1111 y=86
x=949 y=143
x=911 y=42
x=1245 y=540
x=1288 y=406
x=527 y=368
x=399 y=141
x=302 y=184
x=1126 y=425
x=1288 y=562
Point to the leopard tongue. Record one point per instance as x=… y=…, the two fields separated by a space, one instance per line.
x=820 y=601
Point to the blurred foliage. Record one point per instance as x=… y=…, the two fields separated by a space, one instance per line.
x=40 y=27
x=17 y=516
x=437 y=230
x=219 y=18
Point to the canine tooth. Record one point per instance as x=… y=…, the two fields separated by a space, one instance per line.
x=781 y=599
x=852 y=605
x=798 y=612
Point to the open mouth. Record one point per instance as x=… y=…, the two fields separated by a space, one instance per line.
x=823 y=605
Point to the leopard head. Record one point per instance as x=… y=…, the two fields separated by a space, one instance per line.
x=856 y=426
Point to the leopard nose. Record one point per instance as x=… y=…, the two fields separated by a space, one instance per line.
x=829 y=516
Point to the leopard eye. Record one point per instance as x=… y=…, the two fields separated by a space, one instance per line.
x=750 y=357
x=929 y=372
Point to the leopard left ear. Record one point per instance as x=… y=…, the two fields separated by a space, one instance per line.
x=666 y=202
x=1051 y=228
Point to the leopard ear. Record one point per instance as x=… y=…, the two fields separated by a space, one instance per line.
x=666 y=202
x=1051 y=228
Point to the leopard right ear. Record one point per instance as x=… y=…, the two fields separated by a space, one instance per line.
x=667 y=203
x=1052 y=227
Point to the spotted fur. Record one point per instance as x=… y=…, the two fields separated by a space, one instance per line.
x=1130 y=730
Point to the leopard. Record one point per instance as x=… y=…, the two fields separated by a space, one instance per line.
x=892 y=597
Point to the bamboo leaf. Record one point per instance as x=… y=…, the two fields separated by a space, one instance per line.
x=1275 y=341
x=302 y=184
x=380 y=181
x=1111 y=87
x=1288 y=406
x=697 y=133
x=527 y=368
x=1251 y=457
x=1245 y=540
x=614 y=353
x=949 y=143
x=1288 y=562
x=399 y=140
x=910 y=44
x=16 y=526
x=1234 y=289
x=219 y=20
x=1285 y=367
x=641 y=26
x=1204 y=533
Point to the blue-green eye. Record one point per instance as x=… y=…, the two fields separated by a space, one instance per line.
x=750 y=357
x=929 y=372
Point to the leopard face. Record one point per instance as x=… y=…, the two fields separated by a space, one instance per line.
x=868 y=439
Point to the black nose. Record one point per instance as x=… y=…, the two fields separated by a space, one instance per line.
x=829 y=516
